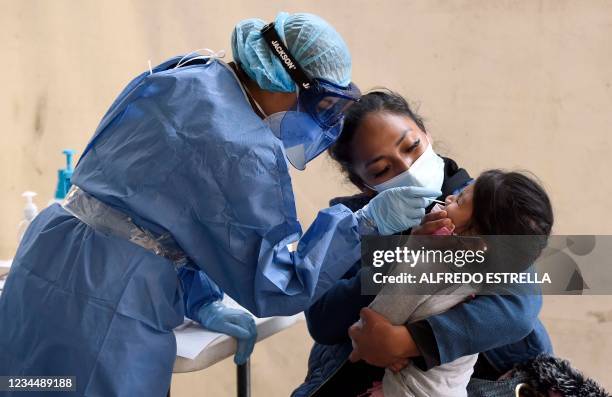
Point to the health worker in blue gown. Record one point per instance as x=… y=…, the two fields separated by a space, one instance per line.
x=184 y=192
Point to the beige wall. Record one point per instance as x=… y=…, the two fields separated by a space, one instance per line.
x=514 y=84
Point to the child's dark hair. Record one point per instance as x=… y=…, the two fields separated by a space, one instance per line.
x=510 y=203
x=515 y=217
x=381 y=100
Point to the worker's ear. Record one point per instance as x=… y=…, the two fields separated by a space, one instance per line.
x=270 y=101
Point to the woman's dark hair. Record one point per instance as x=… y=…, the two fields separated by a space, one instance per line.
x=510 y=203
x=381 y=100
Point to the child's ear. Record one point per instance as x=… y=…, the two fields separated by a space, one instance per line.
x=470 y=230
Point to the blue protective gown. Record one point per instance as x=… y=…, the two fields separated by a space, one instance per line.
x=180 y=151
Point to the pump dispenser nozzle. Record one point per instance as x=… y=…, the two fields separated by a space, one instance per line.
x=69 y=153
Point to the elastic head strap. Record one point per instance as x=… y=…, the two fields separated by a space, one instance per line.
x=292 y=67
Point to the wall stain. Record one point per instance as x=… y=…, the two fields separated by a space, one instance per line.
x=600 y=316
x=40 y=114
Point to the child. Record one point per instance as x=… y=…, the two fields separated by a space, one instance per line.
x=497 y=203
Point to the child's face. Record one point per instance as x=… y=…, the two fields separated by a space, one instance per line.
x=459 y=209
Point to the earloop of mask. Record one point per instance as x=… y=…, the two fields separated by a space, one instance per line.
x=210 y=56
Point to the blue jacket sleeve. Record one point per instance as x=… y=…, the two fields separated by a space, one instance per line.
x=329 y=318
x=198 y=290
x=485 y=323
x=482 y=324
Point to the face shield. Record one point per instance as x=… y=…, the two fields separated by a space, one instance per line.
x=315 y=122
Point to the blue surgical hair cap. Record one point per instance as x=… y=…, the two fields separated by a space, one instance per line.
x=313 y=42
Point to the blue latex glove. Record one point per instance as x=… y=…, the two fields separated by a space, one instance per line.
x=395 y=210
x=217 y=317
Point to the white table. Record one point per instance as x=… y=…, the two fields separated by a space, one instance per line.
x=225 y=346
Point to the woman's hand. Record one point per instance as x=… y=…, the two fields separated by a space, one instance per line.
x=432 y=222
x=380 y=343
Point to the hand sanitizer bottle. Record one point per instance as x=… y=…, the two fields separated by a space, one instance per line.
x=63 y=178
x=29 y=212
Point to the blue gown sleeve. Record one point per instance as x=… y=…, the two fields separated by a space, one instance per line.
x=198 y=290
x=263 y=275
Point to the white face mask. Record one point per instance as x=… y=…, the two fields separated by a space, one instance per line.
x=427 y=171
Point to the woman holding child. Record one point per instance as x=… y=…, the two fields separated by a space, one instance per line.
x=384 y=144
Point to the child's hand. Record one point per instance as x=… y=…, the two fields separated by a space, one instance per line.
x=433 y=222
